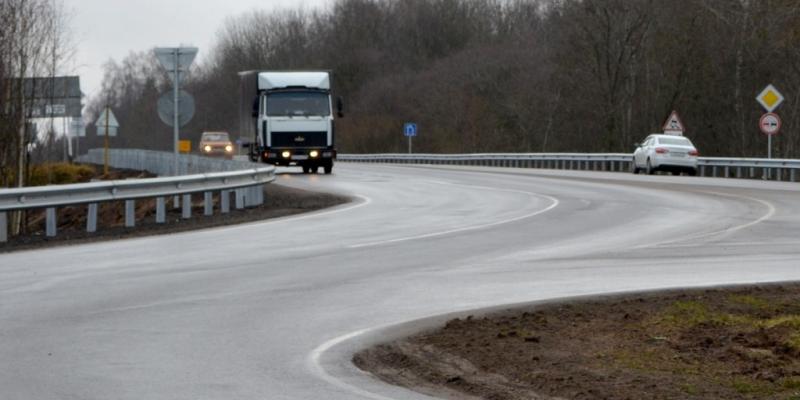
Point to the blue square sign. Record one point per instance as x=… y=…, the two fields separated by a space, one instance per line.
x=410 y=129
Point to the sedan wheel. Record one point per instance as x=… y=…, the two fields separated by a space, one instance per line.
x=634 y=168
x=650 y=169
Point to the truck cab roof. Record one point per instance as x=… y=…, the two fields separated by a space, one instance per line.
x=282 y=80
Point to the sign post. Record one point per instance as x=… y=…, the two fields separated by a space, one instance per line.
x=410 y=130
x=176 y=60
x=770 y=123
x=107 y=126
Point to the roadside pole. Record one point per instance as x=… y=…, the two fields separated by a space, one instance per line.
x=769 y=146
x=176 y=100
x=105 y=145
x=410 y=130
x=176 y=61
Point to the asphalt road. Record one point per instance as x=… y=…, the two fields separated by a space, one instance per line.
x=273 y=310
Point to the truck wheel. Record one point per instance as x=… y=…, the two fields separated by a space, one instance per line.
x=306 y=169
x=328 y=169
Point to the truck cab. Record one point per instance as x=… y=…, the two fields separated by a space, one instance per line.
x=291 y=118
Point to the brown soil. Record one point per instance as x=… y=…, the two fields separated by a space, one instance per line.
x=739 y=343
x=279 y=201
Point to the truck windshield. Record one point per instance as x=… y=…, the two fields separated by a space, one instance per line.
x=298 y=104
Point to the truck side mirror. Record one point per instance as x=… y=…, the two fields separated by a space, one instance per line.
x=255 y=107
x=340 y=107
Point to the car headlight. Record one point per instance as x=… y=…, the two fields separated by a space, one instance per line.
x=207 y=149
x=228 y=148
x=314 y=154
x=286 y=154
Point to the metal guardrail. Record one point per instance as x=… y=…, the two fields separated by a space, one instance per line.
x=745 y=168
x=244 y=179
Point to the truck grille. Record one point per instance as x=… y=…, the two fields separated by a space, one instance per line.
x=299 y=139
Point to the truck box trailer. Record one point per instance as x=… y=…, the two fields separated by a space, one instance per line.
x=288 y=115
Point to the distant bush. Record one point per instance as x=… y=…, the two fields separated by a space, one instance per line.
x=59 y=174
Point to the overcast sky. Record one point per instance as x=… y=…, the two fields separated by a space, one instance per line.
x=106 y=29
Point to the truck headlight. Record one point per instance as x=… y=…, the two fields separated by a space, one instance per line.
x=286 y=154
x=207 y=149
x=228 y=148
x=314 y=154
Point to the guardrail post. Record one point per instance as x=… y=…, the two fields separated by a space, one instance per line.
x=208 y=209
x=779 y=176
x=767 y=173
x=793 y=174
x=51 y=222
x=239 y=194
x=161 y=210
x=249 y=197
x=739 y=172
x=176 y=201
x=3 y=227
x=130 y=213
x=727 y=172
x=187 y=206
x=225 y=201
x=91 y=218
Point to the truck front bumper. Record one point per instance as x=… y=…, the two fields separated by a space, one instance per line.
x=299 y=156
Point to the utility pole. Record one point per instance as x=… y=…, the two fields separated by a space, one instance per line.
x=105 y=143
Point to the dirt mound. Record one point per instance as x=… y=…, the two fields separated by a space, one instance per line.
x=742 y=343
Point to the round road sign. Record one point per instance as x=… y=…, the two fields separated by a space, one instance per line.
x=770 y=124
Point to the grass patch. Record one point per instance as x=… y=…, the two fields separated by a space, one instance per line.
x=751 y=387
x=686 y=314
x=791 y=321
x=60 y=174
x=750 y=301
x=791 y=383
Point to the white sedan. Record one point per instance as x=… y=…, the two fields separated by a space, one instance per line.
x=670 y=153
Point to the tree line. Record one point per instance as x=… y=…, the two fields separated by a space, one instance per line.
x=34 y=42
x=500 y=75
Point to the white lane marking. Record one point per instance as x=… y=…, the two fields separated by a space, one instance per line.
x=771 y=210
x=315 y=366
x=555 y=203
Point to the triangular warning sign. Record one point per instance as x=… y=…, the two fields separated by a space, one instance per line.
x=674 y=126
x=107 y=115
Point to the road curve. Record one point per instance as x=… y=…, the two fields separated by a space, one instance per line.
x=272 y=310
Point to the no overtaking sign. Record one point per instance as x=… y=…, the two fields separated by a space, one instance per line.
x=770 y=124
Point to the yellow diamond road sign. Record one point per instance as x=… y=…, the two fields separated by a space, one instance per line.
x=770 y=98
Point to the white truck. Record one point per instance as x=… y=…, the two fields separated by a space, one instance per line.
x=288 y=115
